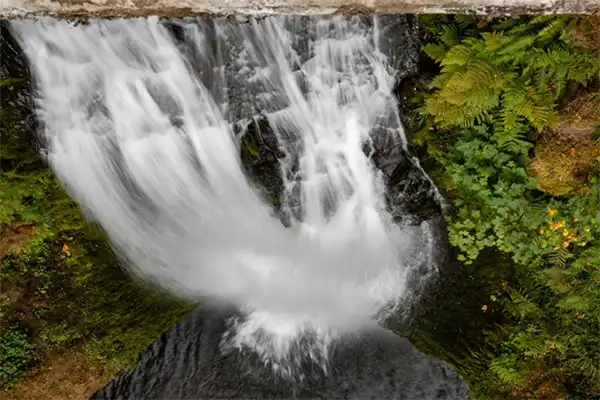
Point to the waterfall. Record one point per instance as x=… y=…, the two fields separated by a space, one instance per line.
x=140 y=123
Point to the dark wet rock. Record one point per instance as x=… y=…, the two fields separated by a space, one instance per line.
x=410 y=196
x=400 y=41
x=187 y=362
x=16 y=98
x=260 y=158
x=227 y=76
x=424 y=279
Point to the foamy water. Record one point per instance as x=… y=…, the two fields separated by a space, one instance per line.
x=140 y=132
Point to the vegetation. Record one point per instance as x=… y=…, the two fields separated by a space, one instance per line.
x=497 y=121
x=61 y=284
x=15 y=353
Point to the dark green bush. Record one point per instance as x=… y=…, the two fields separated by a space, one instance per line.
x=16 y=351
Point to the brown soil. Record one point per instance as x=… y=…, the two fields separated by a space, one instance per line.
x=581 y=114
x=587 y=33
x=68 y=376
x=13 y=291
x=16 y=235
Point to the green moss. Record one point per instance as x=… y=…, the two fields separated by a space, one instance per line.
x=250 y=146
x=10 y=81
x=567 y=157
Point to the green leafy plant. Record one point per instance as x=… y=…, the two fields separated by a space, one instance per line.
x=500 y=84
x=506 y=73
x=15 y=353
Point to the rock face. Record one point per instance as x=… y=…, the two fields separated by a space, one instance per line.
x=410 y=193
x=179 y=8
x=186 y=362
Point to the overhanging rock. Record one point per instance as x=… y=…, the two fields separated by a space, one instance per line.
x=179 y=8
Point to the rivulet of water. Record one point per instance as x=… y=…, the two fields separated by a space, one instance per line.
x=139 y=128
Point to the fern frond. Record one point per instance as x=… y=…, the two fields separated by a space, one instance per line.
x=584 y=67
x=524 y=100
x=440 y=81
x=559 y=279
x=457 y=55
x=552 y=29
x=435 y=51
x=521 y=306
x=449 y=35
x=494 y=40
x=542 y=19
x=587 y=367
x=464 y=20
x=507 y=369
x=510 y=140
x=558 y=258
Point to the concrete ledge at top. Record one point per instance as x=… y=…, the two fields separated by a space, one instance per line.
x=85 y=9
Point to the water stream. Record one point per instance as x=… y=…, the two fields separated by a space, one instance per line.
x=143 y=121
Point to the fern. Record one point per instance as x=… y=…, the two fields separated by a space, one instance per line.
x=574 y=302
x=435 y=51
x=516 y=49
x=550 y=31
x=498 y=87
x=587 y=368
x=522 y=306
x=558 y=258
x=559 y=279
x=457 y=55
x=516 y=72
x=494 y=41
x=507 y=369
x=542 y=19
x=521 y=99
x=449 y=35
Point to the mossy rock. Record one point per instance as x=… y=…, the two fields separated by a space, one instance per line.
x=568 y=156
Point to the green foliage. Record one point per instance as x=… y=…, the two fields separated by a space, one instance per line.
x=499 y=84
x=503 y=73
x=15 y=353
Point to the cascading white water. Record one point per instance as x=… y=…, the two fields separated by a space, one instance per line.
x=141 y=134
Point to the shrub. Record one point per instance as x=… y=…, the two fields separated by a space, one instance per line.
x=15 y=353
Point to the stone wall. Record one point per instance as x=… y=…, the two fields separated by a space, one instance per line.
x=84 y=9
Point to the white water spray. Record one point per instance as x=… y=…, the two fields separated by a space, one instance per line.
x=146 y=145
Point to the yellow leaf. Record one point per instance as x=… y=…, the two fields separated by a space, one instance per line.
x=65 y=248
x=552 y=211
x=557 y=225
